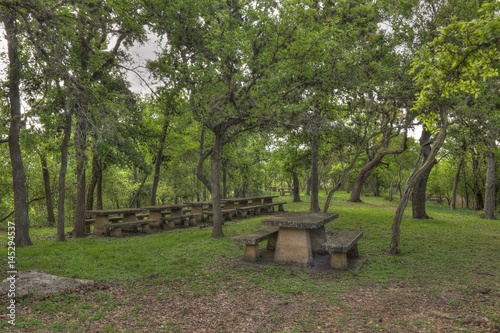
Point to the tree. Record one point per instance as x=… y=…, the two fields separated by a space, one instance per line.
x=418 y=194
x=222 y=59
x=451 y=64
x=21 y=218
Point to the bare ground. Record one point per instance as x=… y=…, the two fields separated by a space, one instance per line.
x=234 y=307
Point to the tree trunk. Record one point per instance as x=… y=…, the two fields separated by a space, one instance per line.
x=98 y=193
x=476 y=187
x=224 y=179
x=489 y=193
x=202 y=157
x=81 y=161
x=329 y=197
x=418 y=196
x=365 y=172
x=215 y=189
x=308 y=185
x=296 y=188
x=51 y=218
x=96 y=164
x=420 y=168
x=21 y=217
x=158 y=162
x=456 y=180
x=134 y=201
x=314 y=173
x=62 y=174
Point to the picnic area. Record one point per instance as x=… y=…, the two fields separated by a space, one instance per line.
x=250 y=166
x=183 y=280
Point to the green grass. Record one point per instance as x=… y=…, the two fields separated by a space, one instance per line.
x=440 y=248
x=456 y=250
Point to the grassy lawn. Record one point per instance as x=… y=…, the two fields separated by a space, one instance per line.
x=446 y=280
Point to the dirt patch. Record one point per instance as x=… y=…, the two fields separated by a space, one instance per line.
x=39 y=283
x=238 y=305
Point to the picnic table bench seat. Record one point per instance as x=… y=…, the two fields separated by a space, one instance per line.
x=249 y=210
x=115 y=218
x=341 y=246
x=186 y=219
x=284 y=191
x=252 y=240
x=279 y=206
x=227 y=214
x=116 y=228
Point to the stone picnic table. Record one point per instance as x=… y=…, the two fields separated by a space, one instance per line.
x=175 y=212
x=200 y=208
x=299 y=235
x=159 y=211
x=102 y=217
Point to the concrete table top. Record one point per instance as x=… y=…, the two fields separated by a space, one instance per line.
x=302 y=220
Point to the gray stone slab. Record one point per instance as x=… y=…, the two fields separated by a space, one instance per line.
x=302 y=220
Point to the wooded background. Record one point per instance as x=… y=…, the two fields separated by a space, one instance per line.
x=243 y=96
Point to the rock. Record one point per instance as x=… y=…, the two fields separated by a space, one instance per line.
x=39 y=283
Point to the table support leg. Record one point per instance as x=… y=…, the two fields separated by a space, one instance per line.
x=294 y=246
x=318 y=238
x=101 y=225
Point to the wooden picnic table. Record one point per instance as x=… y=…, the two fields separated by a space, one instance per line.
x=299 y=235
x=102 y=217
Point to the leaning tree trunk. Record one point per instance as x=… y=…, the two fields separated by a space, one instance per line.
x=365 y=172
x=21 y=217
x=329 y=196
x=420 y=168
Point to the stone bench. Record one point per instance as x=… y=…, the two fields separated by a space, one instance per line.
x=279 y=205
x=252 y=240
x=186 y=219
x=284 y=191
x=342 y=246
x=249 y=210
x=227 y=215
x=116 y=228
